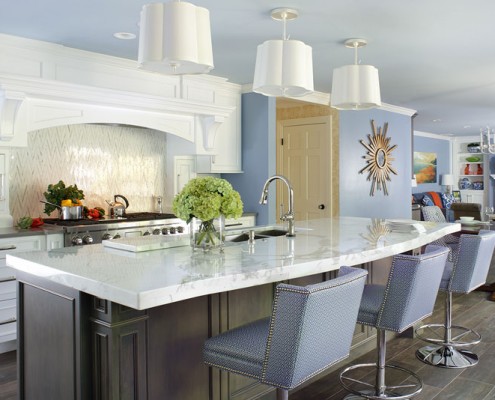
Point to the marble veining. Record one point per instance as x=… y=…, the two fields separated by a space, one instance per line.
x=149 y=279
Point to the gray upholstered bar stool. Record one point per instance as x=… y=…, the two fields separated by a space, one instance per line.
x=435 y=214
x=309 y=330
x=468 y=271
x=408 y=297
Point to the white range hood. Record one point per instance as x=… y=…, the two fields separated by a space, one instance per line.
x=28 y=104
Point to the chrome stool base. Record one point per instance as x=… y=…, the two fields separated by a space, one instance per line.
x=453 y=336
x=370 y=391
x=367 y=393
x=446 y=357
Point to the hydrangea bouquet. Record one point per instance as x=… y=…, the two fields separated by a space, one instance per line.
x=206 y=199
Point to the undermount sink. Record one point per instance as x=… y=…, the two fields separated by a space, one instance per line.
x=272 y=232
x=243 y=237
x=260 y=233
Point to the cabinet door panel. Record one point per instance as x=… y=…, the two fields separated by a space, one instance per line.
x=7 y=311
x=7 y=290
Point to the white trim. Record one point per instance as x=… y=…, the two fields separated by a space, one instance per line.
x=324 y=99
x=432 y=135
x=397 y=110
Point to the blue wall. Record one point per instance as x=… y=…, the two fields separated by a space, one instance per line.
x=442 y=149
x=259 y=161
x=355 y=199
x=258 y=155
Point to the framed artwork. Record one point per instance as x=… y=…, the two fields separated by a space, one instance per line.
x=457 y=195
x=425 y=167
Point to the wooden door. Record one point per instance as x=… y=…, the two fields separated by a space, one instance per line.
x=305 y=158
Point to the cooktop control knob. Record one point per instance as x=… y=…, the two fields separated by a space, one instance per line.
x=117 y=236
x=172 y=230
x=165 y=231
x=180 y=229
x=87 y=239
x=156 y=231
x=147 y=233
x=76 y=241
x=106 y=236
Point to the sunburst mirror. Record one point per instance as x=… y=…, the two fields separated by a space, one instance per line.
x=378 y=159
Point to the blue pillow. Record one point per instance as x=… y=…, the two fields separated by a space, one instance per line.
x=447 y=200
x=427 y=201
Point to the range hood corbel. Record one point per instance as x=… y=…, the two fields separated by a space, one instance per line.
x=210 y=125
x=10 y=103
x=28 y=104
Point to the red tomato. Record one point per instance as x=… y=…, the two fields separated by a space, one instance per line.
x=37 y=222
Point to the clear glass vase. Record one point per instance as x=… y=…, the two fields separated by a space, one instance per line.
x=207 y=235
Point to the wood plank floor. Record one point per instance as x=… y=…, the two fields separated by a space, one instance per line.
x=475 y=311
x=8 y=378
x=476 y=383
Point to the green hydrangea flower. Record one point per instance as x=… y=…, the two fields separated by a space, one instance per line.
x=207 y=198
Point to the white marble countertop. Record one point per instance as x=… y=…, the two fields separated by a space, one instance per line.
x=42 y=230
x=153 y=278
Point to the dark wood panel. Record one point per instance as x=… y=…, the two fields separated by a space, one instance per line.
x=100 y=365
x=49 y=343
x=176 y=334
x=53 y=340
x=119 y=352
x=129 y=374
x=240 y=307
x=309 y=280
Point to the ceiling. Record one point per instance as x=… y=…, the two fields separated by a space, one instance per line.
x=436 y=57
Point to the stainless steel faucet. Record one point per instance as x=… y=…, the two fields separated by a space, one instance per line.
x=289 y=215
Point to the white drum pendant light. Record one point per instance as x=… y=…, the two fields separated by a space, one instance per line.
x=355 y=87
x=175 y=38
x=283 y=67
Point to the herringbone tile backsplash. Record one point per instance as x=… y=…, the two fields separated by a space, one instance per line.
x=102 y=160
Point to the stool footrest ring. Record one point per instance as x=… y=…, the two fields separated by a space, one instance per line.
x=459 y=336
x=446 y=357
x=369 y=390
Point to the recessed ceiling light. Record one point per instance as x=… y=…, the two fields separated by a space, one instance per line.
x=436 y=120
x=124 y=35
x=467 y=126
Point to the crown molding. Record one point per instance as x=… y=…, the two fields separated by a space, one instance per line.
x=432 y=135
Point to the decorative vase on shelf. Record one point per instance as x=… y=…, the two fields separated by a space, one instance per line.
x=207 y=235
x=466 y=170
x=479 y=171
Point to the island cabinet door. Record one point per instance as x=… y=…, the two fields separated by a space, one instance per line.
x=118 y=342
x=53 y=341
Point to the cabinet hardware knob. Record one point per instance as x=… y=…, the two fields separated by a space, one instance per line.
x=321 y=206
x=7 y=279
x=8 y=321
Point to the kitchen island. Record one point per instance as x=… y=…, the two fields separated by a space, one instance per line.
x=99 y=323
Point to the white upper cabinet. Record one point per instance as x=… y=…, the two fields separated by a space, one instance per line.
x=223 y=153
x=226 y=157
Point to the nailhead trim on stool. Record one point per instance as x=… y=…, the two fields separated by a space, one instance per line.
x=468 y=272
x=408 y=297
x=310 y=329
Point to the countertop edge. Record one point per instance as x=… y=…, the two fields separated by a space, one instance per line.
x=144 y=299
